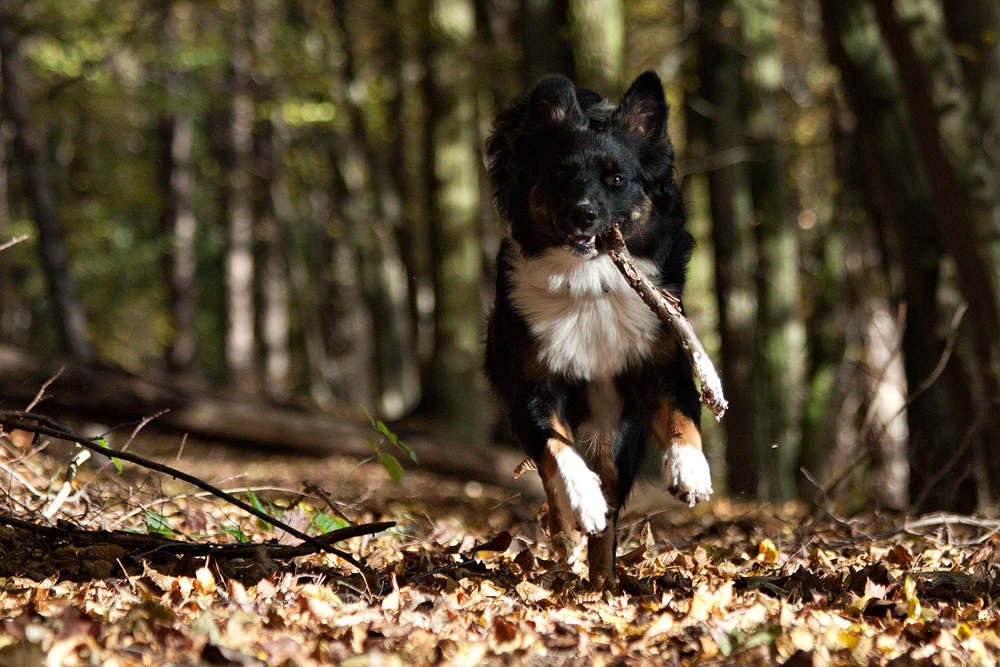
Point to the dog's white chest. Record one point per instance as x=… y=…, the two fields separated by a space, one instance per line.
x=588 y=322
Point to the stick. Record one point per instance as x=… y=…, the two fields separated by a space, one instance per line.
x=667 y=308
x=42 y=425
x=81 y=537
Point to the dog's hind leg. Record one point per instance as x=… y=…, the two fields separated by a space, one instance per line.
x=601 y=557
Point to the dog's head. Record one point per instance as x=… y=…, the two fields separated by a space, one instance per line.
x=566 y=166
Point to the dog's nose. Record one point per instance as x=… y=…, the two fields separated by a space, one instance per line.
x=583 y=215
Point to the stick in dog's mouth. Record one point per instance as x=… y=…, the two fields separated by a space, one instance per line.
x=666 y=307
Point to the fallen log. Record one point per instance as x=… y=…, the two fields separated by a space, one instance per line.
x=667 y=308
x=110 y=395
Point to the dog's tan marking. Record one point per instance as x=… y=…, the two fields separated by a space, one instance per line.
x=671 y=427
x=642 y=210
x=560 y=516
x=684 y=464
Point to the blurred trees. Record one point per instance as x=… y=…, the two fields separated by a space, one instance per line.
x=289 y=198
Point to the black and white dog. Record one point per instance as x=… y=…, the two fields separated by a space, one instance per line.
x=589 y=373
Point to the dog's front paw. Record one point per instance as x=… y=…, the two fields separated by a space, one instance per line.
x=687 y=474
x=583 y=490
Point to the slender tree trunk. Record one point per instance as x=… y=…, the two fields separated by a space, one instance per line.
x=271 y=214
x=240 y=310
x=178 y=225
x=29 y=151
x=780 y=321
x=597 y=28
x=545 y=41
x=719 y=129
x=964 y=182
x=8 y=293
x=177 y=220
x=275 y=318
x=383 y=273
x=941 y=413
x=453 y=386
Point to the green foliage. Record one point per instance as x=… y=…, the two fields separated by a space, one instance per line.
x=257 y=505
x=236 y=533
x=386 y=459
x=157 y=523
x=325 y=523
x=114 y=459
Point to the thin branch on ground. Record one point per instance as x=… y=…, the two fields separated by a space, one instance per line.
x=946 y=520
x=81 y=537
x=41 y=392
x=42 y=425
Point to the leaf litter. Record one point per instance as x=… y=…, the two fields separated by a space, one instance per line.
x=467 y=577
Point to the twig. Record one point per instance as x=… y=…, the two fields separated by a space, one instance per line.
x=141 y=425
x=946 y=520
x=22 y=481
x=67 y=485
x=80 y=537
x=41 y=392
x=18 y=419
x=667 y=308
x=14 y=241
x=438 y=570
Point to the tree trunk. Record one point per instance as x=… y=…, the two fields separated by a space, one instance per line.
x=241 y=366
x=8 y=288
x=178 y=225
x=383 y=273
x=29 y=151
x=941 y=413
x=545 y=41
x=718 y=129
x=275 y=318
x=177 y=221
x=597 y=28
x=780 y=322
x=454 y=386
x=963 y=181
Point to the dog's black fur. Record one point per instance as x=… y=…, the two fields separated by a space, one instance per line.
x=565 y=165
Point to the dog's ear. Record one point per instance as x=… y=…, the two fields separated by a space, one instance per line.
x=553 y=101
x=643 y=110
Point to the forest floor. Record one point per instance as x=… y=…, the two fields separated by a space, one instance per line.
x=465 y=576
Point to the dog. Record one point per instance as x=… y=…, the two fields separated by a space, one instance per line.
x=589 y=373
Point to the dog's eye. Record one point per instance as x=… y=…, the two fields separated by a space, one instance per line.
x=616 y=180
x=562 y=175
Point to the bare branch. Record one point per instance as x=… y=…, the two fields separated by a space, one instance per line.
x=667 y=308
x=17 y=419
x=41 y=392
x=82 y=537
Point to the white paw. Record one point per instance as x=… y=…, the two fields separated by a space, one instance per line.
x=583 y=491
x=688 y=476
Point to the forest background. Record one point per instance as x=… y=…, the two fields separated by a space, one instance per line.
x=287 y=199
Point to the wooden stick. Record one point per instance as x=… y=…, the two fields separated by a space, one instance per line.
x=42 y=425
x=667 y=308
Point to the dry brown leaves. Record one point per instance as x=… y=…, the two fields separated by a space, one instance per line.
x=469 y=580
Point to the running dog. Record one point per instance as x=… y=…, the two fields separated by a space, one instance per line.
x=590 y=375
